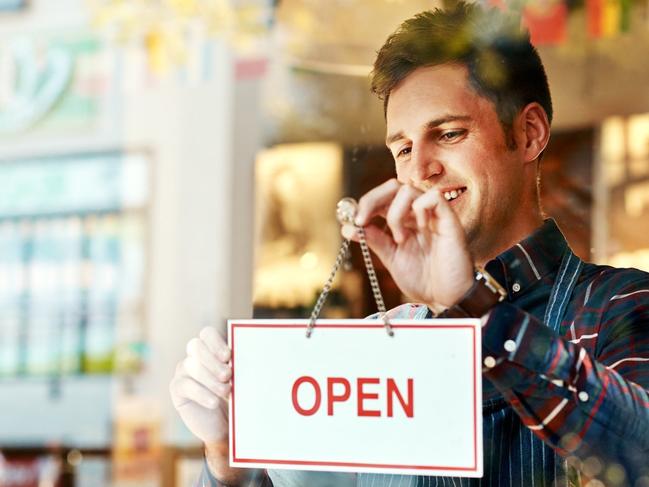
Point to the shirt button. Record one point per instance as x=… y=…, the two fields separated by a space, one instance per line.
x=583 y=396
x=516 y=287
x=510 y=345
x=490 y=362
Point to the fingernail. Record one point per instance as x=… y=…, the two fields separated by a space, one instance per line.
x=348 y=231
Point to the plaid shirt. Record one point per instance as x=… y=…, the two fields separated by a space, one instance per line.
x=565 y=393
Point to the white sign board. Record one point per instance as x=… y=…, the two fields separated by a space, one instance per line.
x=352 y=398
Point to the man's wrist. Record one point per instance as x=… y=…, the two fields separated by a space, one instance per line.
x=484 y=294
x=217 y=458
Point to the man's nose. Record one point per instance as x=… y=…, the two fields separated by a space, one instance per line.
x=425 y=166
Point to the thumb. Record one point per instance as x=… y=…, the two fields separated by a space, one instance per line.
x=381 y=243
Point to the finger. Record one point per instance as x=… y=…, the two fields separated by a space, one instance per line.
x=186 y=389
x=378 y=240
x=399 y=213
x=433 y=212
x=196 y=371
x=350 y=232
x=197 y=348
x=376 y=201
x=215 y=343
x=381 y=243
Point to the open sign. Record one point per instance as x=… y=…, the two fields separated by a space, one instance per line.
x=363 y=395
x=352 y=398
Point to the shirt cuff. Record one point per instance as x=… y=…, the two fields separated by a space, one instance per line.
x=512 y=336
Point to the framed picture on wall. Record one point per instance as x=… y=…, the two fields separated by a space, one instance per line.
x=9 y=5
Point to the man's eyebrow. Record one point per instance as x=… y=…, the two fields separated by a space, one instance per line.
x=430 y=125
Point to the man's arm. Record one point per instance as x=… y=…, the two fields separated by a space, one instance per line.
x=581 y=404
x=425 y=251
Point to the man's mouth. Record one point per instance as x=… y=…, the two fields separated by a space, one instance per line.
x=453 y=194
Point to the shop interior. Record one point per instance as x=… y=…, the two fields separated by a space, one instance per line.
x=168 y=165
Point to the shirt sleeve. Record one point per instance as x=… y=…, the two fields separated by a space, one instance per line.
x=581 y=404
x=256 y=478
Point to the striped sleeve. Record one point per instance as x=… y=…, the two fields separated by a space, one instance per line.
x=581 y=404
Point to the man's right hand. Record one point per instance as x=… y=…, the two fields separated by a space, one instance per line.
x=422 y=243
x=199 y=391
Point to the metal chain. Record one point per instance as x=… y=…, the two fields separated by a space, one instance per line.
x=327 y=287
x=374 y=283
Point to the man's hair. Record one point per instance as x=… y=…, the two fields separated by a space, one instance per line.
x=503 y=65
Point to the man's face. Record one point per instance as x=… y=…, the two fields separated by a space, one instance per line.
x=443 y=135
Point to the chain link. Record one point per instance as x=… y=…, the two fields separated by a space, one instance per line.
x=327 y=287
x=374 y=283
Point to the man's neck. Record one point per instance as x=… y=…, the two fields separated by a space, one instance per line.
x=507 y=239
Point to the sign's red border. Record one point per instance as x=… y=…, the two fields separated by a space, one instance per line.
x=473 y=468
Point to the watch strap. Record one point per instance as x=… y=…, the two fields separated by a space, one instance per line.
x=483 y=295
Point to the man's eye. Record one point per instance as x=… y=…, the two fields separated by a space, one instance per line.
x=452 y=135
x=403 y=152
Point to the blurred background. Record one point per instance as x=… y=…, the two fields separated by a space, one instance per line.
x=169 y=164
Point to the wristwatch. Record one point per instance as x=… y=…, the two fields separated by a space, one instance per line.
x=483 y=295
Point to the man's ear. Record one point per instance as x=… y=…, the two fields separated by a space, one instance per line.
x=534 y=131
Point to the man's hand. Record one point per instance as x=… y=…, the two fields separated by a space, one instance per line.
x=425 y=249
x=199 y=391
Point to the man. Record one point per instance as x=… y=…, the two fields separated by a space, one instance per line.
x=565 y=344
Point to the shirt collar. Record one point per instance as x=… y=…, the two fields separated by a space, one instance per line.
x=527 y=262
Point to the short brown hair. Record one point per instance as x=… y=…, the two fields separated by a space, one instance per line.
x=503 y=65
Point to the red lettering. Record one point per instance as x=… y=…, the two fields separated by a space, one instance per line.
x=318 y=396
x=409 y=406
x=362 y=396
x=331 y=397
x=339 y=389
